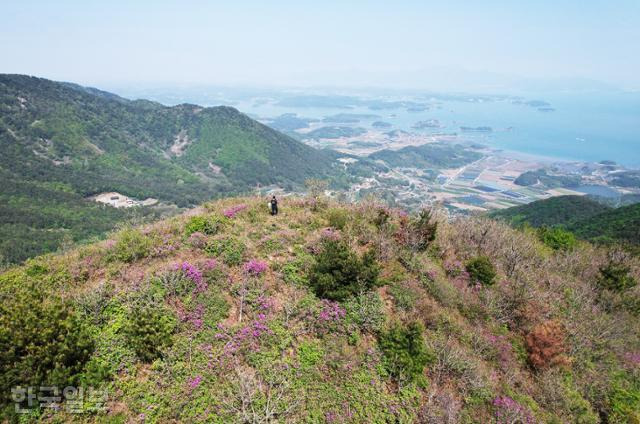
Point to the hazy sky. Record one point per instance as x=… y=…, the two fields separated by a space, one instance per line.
x=395 y=43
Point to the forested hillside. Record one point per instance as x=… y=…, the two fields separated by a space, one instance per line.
x=433 y=155
x=588 y=219
x=554 y=211
x=60 y=142
x=620 y=224
x=326 y=313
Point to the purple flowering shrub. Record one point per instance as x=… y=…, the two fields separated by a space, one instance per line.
x=453 y=267
x=163 y=243
x=234 y=210
x=197 y=240
x=187 y=287
x=509 y=411
x=330 y=317
x=184 y=278
x=241 y=339
x=84 y=268
x=431 y=274
x=633 y=358
x=264 y=304
x=193 y=383
x=194 y=316
x=255 y=267
x=331 y=312
x=330 y=234
x=502 y=351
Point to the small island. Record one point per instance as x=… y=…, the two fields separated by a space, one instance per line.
x=429 y=123
x=476 y=129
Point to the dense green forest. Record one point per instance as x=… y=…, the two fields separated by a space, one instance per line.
x=585 y=217
x=620 y=224
x=61 y=142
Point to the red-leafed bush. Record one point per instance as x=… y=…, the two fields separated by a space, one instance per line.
x=545 y=344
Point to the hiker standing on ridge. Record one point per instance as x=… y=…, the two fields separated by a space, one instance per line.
x=274 y=206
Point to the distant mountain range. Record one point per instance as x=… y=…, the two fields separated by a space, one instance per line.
x=61 y=142
x=588 y=219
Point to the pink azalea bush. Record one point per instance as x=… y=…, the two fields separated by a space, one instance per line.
x=194 y=274
x=633 y=358
x=453 y=267
x=194 y=317
x=210 y=264
x=234 y=210
x=255 y=267
x=194 y=382
x=508 y=411
x=197 y=240
x=331 y=311
x=247 y=337
x=330 y=234
x=264 y=303
x=503 y=348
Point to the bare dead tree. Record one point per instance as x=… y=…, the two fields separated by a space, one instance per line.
x=257 y=400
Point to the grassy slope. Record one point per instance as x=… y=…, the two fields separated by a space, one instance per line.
x=102 y=142
x=319 y=369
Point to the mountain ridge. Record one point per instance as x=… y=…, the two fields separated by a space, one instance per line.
x=84 y=141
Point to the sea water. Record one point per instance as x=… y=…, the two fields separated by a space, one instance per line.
x=590 y=127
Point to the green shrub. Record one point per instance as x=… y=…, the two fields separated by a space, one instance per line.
x=404 y=297
x=309 y=354
x=366 y=311
x=42 y=341
x=557 y=238
x=230 y=250
x=174 y=282
x=382 y=218
x=624 y=400
x=616 y=276
x=92 y=304
x=131 y=245
x=337 y=218
x=292 y=273
x=338 y=272
x=481 y=270
x=149 y=330
x=207 y=224
x=405 y=353
x=271 y=246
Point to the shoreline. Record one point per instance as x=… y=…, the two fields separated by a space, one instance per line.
x=532 y=157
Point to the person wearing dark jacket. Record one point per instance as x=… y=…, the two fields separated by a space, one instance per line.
x=274 y=206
